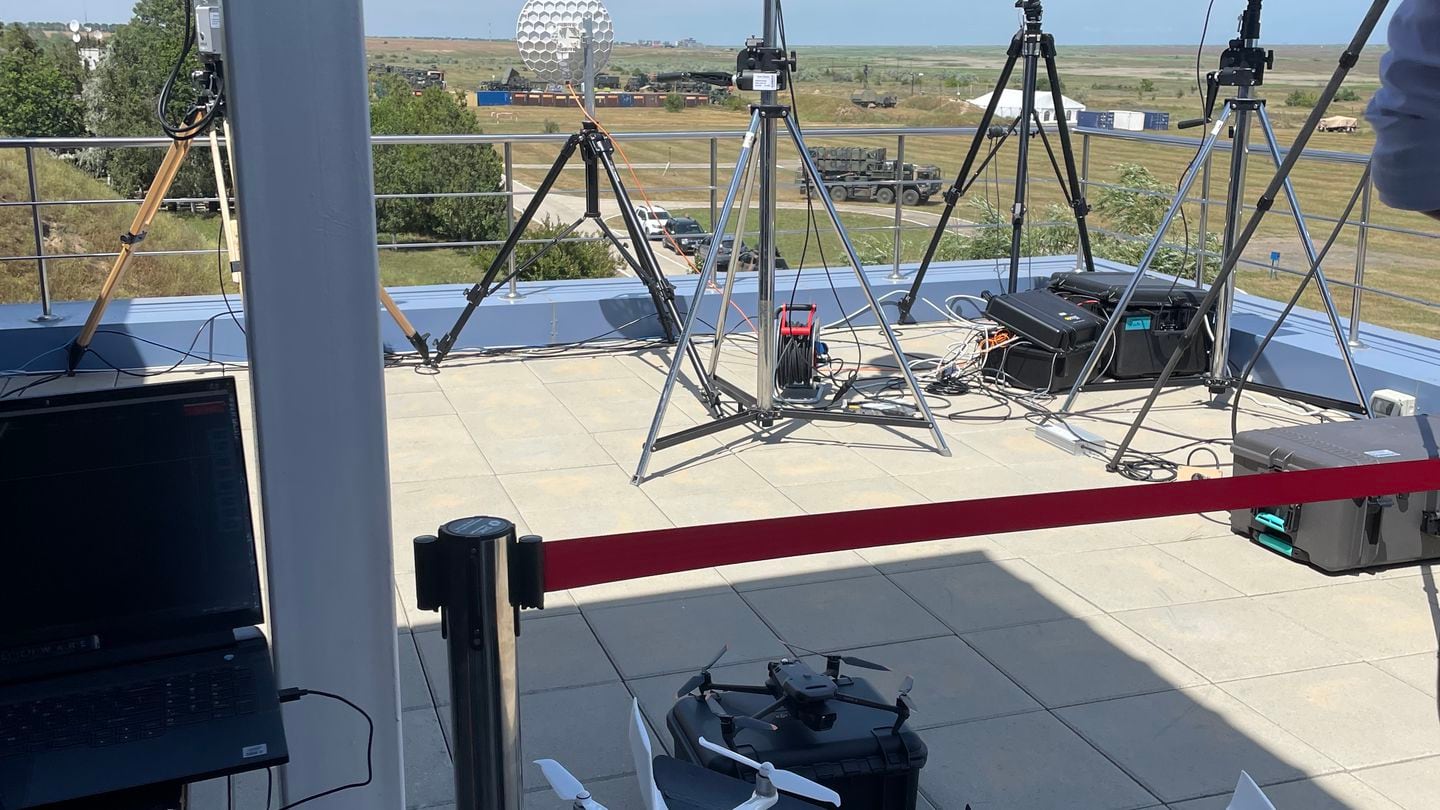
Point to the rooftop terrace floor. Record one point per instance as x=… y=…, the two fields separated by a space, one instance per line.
x=1138 y=665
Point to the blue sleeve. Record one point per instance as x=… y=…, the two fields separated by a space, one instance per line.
x=1406 y=110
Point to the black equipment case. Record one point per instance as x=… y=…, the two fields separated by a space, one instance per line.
x=1350 y=534
x=1153 y=326
x=1034 y=368
x=1056 y=337
x=860 y=757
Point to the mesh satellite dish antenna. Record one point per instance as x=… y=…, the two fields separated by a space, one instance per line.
x=551 y=36
x=74 y=26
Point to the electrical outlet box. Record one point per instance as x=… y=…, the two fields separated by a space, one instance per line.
x=209 y=29
x=1386 y=402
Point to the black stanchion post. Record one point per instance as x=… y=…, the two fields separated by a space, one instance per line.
x=479 y=575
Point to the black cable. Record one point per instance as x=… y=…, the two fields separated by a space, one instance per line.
x=269 y=786
x=187 y=130
x=230 y=793
x=1199 y=55
x=288 y=695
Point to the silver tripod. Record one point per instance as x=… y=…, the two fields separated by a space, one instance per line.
x=1243 y=67
x=764 y=66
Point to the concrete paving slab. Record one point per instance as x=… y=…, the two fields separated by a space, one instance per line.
x=1132 y=578
x=595 y=717
x=846 y=496
x=1074 y=661
x=543 y=417
x=1193 y=743
x=1070 y=540
x=422 y=507
x=935 y=554
x=1248 y=567
x=580 y=369
x=702 y=507
x=845 y=615
x=620 y=792
x=1375 y=618
x=432 y=448
x=960 y=485
x=675 y=636
x=796 y=571
x=684 y=585
x=1418 y=671
x=541 y=453
x=414 y=688
x=1413 y=785
x=1339 y=791
x=992 y=594
x=429 y=776
x=802 y=463
x=409 y=380
x=420 y=403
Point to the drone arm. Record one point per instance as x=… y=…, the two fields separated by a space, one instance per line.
x=748 y=690
x=769 y=710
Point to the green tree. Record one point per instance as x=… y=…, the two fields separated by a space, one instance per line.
x=433 y=169
x=1146 y=86
x=1301 y=98
x=120 y=97
x=1347 y=94
x=1135 y=207
x=675 y=103
x=566 y=261
x=38 y=95
x=1043 y=83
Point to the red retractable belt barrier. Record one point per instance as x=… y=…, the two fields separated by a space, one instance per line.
x=612 y=558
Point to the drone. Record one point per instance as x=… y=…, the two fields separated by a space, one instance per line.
x=769 y=780
x=798 y=690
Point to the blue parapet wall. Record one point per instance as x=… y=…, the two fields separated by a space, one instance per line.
x=146 y=333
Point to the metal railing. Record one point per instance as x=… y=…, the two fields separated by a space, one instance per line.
x=718 y=172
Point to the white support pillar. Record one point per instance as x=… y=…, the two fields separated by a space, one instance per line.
x=299 y=102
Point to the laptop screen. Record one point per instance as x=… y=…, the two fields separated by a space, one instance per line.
x=124 y=515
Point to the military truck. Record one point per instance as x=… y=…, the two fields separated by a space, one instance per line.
x=870 y=99
x=855 y=172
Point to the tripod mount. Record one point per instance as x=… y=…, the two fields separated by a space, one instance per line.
x=1242 y=65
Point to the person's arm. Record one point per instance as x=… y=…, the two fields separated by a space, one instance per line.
x=1406 y=111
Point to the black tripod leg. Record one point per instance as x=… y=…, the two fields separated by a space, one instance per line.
x=1022 y=167
x=1262 y=207
x=647 y=266
x=477 y=293
x=1077 y=191
x=952 y=196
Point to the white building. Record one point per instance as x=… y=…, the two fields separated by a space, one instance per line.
x=1011 y=100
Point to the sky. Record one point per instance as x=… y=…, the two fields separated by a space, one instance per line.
x=834 y=22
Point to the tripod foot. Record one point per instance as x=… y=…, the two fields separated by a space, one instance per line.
x=422 y=346
x=73 y=355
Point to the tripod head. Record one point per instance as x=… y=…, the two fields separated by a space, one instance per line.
x=1033 y=10
x=1243 y=64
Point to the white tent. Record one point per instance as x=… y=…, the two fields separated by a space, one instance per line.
x=1010 y=101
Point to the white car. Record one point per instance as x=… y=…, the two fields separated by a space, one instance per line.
x=652 y=219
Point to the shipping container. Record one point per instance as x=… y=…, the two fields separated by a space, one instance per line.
x=1157 y=120
x=492 y=98
x=1129 y=120
x=1095 y=119
x=627 y=99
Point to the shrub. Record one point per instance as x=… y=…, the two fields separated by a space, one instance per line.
x=567 y=260
x=1347 y=94
x=550 y=127
x=1301 y=98
x=675 y=103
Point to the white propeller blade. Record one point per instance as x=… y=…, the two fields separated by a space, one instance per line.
x=566 y=786
x=644 y=760
x=1249 y=796
x=781 y=779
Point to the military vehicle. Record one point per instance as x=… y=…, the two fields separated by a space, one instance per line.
x=870 y=99
x=857 y=172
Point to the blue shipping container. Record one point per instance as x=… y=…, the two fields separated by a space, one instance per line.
x=492 y=98
x=1157 y=120
x=627 y=99
x=1095 y=119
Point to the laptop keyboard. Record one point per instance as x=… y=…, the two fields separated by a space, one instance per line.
x=127 y=713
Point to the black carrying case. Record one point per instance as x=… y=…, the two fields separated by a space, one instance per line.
x=1153 y=324
x=1030 y=367
x=861 y=757
x=1349 y=534
x=1046 y=320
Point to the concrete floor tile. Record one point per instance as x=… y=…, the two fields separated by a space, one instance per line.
x=908 y=451
x=573 y=370
x=540 y=453
x=563 y=523
x=431 y=448
x=1132 y=578
x=953 y=684
x=1066 y=473
x=414 y=689
x=993 y=481
x=1069 y=540
x=1347 y=712
x=1419 y=671
x=1029 y=761
x=1375 y=618
x=934 y=554
x=605 y=415
x=684 y=585
x=583 y=728
x=537 y=491
x=1180 y=528
x=661 y=637
x=543 y=417
x=410 y=380
x=1249 y=567
x=467 y=375
x=1081 y=660
x=1236 y=638
x=848 y=496
x=429 y=775
x=701 y=507
x=845 y=615
x=794 y=463
x=796 y=571
x=422 y=507
x=1012 y=445
x=1413 y=785
x=1339 y=791
x=420 y=403
x=620 y=792
x=992 y=594
x=628 y=391
x=1193 y=743
x=688 y=469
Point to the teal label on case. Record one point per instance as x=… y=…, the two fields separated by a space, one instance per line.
x=1137 y=323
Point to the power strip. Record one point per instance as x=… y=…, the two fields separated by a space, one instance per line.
x=1072 y=440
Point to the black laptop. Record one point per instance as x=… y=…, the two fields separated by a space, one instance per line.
x=129 y=595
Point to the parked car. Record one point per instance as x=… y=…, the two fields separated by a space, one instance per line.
x=684 y=235
x=725 y=253
x=749 y=256
x=652 y=219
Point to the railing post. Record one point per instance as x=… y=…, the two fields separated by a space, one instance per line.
x=514 y=293
x=1204 y=251
x=715 y=180
x=1361 y=245
x=45 y=316
x=895 y=274
x=1084 y=190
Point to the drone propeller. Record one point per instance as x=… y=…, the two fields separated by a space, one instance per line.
x=703 y=675
x=712 y=702
x=782 y=780
x=567 y=787
x=905 y=698
x=848 y=659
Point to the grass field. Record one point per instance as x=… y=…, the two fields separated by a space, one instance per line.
x=676 y=170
